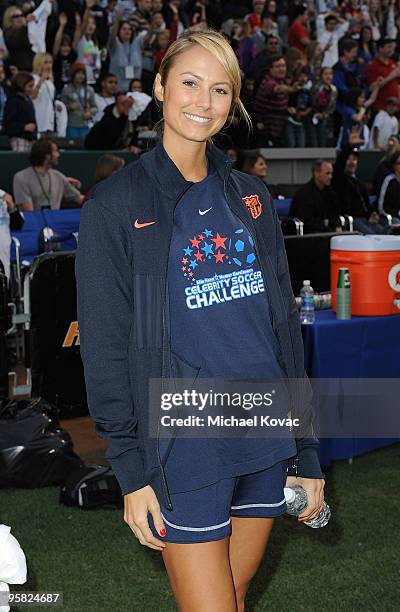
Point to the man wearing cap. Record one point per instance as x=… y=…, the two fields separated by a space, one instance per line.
x=385 y=125
x=386 y=71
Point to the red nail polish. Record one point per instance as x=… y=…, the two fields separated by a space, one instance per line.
x=163 y=532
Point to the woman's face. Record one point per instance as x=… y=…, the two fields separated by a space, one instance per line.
x=18 y=19
x=65 y=50
x=125 y=32
x=374 y=5
x=327 y=76
x=271 y=6
x=79 y=77
x=366 y=35
x=29 y=87
x=47 y=66
x=91 y=26
x=260 y=168
x=136 y=86
x=197 y=96
x=157 y=6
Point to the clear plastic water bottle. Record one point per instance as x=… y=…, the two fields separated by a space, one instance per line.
x=296 y=501
x=307 y=312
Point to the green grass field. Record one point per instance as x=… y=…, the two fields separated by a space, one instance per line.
x=350 y=565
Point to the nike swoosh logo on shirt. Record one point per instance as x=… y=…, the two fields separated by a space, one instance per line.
x=140 y=225
x=203 y=212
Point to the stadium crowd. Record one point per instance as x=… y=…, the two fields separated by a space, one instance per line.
x=315 y=74
x=311 y=71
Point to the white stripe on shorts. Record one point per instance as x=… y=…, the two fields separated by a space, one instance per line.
x=196 y=528
x=259 y=505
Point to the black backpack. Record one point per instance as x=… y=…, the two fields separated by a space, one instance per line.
x=91 y=487
x=34 y=450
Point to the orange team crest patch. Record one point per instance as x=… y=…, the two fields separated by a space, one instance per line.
x=254 y=205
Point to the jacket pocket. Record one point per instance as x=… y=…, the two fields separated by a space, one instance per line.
x=147 y=316
x=181 y=369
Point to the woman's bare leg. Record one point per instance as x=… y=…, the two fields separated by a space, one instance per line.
x=200 y=576
x=247 y=545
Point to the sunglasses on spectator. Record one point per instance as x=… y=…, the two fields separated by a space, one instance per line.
x=18 y=15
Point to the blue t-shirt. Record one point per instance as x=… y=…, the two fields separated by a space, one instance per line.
x=220 y=323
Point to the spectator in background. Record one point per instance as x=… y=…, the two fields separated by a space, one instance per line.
x=261 y=61
x=64 y=54
x=15 y=28
x=385 y=125
x=354 y=114
x=380 y=21
x=115 y=130
x=272 y=103
x=330 y=29
x=389 y=195
x=345 y=73
x=125 y=49
x=323 y=103
x=384 y=167
x=19 y=120
x=3 y=92
x=268 y=28
x=79 y=99
x=366 y=51
x=44 y=93
x=244 y=46
x=315 y=203
x=314 y=56
x=254 y=18
x=298 y=36
x=40 y=185
x=299 y=109
x=140 y=18
x=106 y=165
x=88 y=47
x=6 y=206
x=108 y=89
x=384 y=72
x=255 y=164
x=353 y=194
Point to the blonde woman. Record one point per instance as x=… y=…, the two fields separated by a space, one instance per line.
x=15 y=28
x=149 y=237
x=44 y=94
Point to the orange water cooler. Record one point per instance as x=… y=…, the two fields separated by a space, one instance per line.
x=374 y=265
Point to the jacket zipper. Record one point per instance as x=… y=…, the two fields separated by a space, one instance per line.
x=165 y=346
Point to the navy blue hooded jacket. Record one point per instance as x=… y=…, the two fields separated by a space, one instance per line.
x=124 y=326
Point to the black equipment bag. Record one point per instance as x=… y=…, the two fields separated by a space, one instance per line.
x=91 y=487
x=34 y=450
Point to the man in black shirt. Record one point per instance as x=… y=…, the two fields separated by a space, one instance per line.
x=315 y=203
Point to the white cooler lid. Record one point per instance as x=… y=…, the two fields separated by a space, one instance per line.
x=365 y=243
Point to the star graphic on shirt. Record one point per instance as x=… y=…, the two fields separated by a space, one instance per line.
x=219 y=257
x=184 y=260
x=207 y=233
x=195 y=243
x=188 y=251
x=219 y=241
x=201 y=237
x=193 y=264
x=207 y=248
x=199 y=256
x=183 y=268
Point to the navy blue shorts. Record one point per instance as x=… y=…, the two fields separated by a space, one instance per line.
x=205 y=514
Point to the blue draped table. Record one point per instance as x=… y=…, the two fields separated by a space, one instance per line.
x=363 y=347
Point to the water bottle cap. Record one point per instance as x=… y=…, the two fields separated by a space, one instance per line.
x=306 y=283
x=290 y=495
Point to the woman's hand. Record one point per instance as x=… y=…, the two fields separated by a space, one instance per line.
x=136 y=506
x=29 y=127
x=314 y=487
